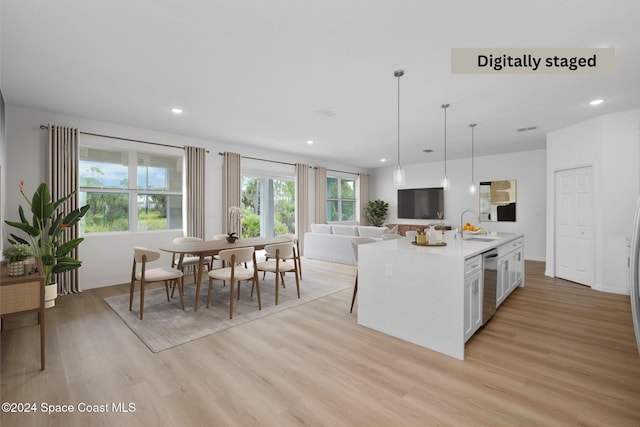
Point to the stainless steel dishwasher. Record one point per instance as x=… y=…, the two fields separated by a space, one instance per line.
x=490 y=284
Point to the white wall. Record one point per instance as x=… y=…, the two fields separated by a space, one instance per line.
x=107 y=259
x=527 y=168
x=611 y=145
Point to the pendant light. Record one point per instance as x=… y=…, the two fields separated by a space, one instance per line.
x=398 y=173
x=472 y=187
x=445 y=179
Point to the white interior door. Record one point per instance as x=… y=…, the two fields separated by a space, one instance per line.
x=574 y=220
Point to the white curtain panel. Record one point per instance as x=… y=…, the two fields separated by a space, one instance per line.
x=363 y=199
x=63 y=179
x=232 y=188
x=321 y=195
x=195 y=180
x=302 y=202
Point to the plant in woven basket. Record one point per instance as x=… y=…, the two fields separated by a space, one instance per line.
x=17 y=252
x=45 y=231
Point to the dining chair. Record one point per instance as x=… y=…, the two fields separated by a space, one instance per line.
x=277 y=256
x=219 y=237
x=143 y=256
x=355 y=242
x=190 y=262
x=236 y=259
x=217 y=257
x=296 y=252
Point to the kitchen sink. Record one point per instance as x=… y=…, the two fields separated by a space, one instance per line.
x=485 y=238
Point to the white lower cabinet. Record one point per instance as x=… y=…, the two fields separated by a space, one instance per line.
x=510 y=269
x=472 y=296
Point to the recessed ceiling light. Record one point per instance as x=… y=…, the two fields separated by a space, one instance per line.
x=383 y=160
x=176 y=110
x=596 y=101
x=309 y=142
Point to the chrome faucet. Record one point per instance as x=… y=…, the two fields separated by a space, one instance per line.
x=461 y=216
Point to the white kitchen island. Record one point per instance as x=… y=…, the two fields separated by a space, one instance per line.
x=417 y=293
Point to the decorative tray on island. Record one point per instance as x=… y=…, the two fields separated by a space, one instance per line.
x=429 y=244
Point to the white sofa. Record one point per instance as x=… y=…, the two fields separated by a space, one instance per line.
x=332 y=242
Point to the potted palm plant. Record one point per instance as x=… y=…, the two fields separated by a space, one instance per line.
x=15 y=255
x=376 y=211
x=45 y=231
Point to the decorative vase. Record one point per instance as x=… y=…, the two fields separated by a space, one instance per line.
x=50 y=295
x=232 y=239
x=16 y=268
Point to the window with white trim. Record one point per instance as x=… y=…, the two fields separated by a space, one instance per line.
x=341 y=199
x=130 y=190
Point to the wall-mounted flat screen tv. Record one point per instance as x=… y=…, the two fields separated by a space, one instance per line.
x=420 y=203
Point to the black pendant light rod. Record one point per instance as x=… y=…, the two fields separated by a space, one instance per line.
x=473 y=127
x=398 y=74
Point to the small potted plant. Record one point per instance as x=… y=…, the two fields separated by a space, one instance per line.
x=15 y=255
x=376 y=211
x=232 y=237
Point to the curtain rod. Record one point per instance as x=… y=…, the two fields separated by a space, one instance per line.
x=124 y=139
x=290 y=164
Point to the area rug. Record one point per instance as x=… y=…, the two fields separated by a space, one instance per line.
x=166 y=325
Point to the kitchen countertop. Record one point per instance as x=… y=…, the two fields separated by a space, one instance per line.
x=465 y=248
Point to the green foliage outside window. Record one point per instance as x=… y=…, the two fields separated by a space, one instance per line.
x=341 y=199
x=282 y=219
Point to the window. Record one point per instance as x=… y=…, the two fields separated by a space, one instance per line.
x=341 y=199
x=153 y=202
x=268 y=206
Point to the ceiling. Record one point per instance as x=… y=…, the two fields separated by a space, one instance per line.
x=276 y=74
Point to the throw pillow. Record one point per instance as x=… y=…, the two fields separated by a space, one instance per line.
x=345 y=230
x=371 y=231
x=321 y=228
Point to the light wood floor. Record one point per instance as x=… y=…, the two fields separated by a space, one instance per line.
x=555 y=354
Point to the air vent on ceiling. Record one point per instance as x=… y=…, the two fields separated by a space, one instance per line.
x=326 y=112
x=428 y=150
x=527 y=129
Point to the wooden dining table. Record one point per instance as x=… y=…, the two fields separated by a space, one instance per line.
x=209 y=248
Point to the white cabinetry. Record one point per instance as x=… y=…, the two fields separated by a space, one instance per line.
x=472 y=296
x=510 y=268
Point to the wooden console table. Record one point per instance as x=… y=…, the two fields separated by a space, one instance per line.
x=403 y=228
x=23 y=294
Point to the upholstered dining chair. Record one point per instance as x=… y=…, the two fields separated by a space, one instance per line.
x=217 y=257
x=296 y=252
x=355 y=242
x=190 y=262
x=219 y=237
x=277 y=256
x=236 y=259
x=143 y=256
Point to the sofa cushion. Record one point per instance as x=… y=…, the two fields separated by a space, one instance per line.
x=345 y=230
x=329 y=247
x=371 y=231
x=321 y=228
